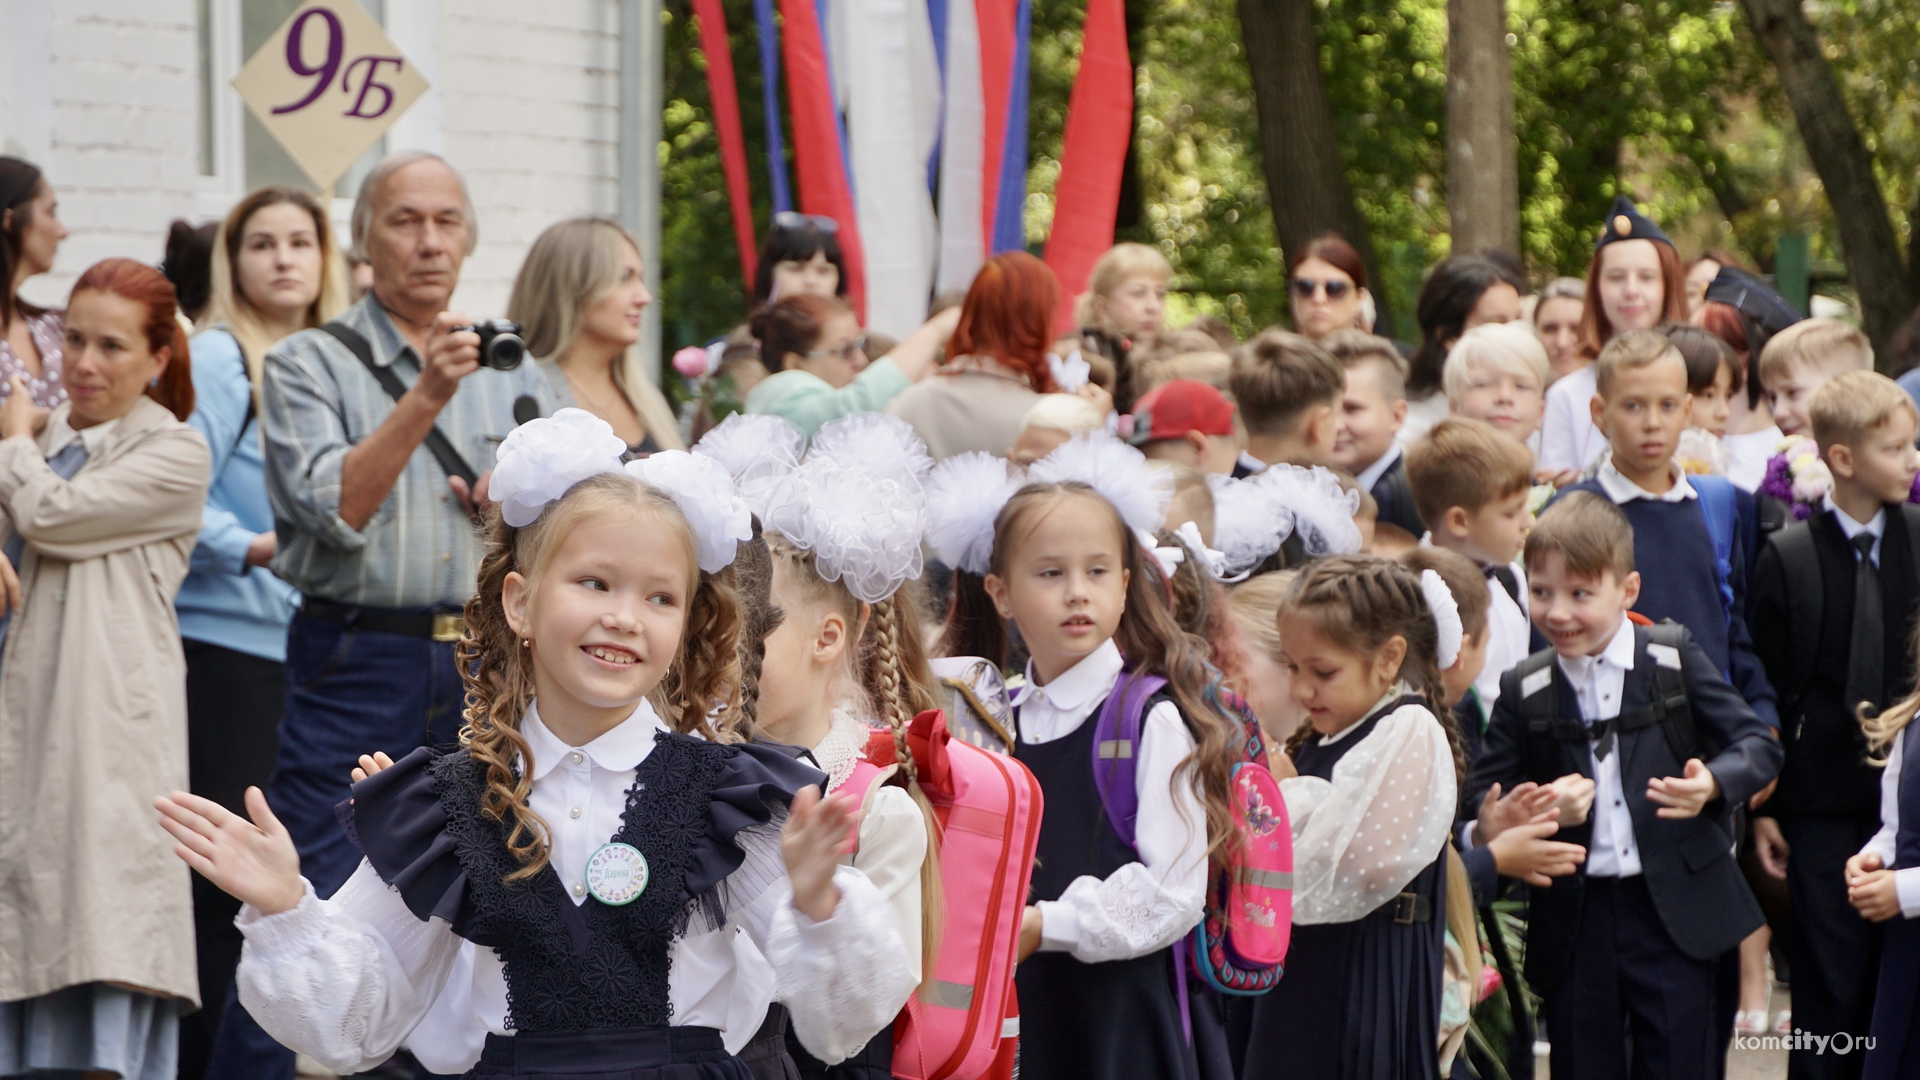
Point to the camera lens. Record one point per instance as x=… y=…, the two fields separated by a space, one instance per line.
x=505 y=352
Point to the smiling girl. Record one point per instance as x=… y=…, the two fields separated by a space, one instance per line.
x=596 y=836
x=1061 y=560
x=1375 y=791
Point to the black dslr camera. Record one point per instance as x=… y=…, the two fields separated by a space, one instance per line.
x=501 y=347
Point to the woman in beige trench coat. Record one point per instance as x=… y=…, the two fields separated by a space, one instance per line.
x=96 y=920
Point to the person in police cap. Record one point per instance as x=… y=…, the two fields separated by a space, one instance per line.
x=1746 y=312
x=1633 y=283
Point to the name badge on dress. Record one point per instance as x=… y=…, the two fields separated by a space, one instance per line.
x=617 y=874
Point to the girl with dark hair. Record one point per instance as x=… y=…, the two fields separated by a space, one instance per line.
x=1633 y=283
x=800 y=256
x=30 y=235
x=1377 y=781
x=1328 y=281
x=599 y=837
x=1460 y=293
x=101 y=508
x=816 y=353
x=188 y=263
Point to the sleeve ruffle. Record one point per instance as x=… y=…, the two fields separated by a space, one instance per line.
x=402 y=829
x=756 y=785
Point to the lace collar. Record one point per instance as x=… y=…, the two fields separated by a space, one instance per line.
x=1394 y=693
x=844 y=746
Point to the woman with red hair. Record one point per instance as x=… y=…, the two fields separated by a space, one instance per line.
x=998 y=366
x=100 y=505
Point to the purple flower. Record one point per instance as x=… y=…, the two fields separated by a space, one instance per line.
x=1913 y=495
x=1778 y=482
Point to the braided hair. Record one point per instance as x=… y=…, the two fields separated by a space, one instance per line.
x=497 y=667
x=1360 y=602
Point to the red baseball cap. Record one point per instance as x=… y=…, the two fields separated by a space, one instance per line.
x=1172 y=409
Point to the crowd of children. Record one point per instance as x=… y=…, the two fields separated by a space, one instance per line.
x=806 y=756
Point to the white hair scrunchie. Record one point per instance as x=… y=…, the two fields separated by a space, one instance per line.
x=1446 y=617
x=701 y=488
x=540 y=460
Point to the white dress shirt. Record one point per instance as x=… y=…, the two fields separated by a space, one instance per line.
x=1906 y=883
x=1509 y=636
x=1371 y=474
x=1144 y=906
x=1877 y=525
x=1747 y=455
x=893 y=833
x=1620 y=489
x=1598 y=682
x=1568 y=437
x=348 y=979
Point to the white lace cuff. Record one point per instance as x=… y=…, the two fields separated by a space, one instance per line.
x=1129 y=914
x=844 y=979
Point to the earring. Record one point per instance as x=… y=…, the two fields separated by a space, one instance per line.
x=155 y=381
x=526 y=643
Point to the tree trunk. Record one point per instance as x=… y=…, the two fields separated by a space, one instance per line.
x=1306 y=181
x=1843 y=162
x=1483 y=175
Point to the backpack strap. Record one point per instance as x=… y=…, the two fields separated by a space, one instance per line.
x=1670 y=707
x=437 y=442
x=1718 y=504
x=1539 y=690
x=1116 y=748
x=1806 y=608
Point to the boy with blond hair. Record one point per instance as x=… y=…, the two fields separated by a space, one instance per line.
x=1797 y=360
x=1625 y=950
x=1288 y=389
x=1835 y=599
x=1471 y=484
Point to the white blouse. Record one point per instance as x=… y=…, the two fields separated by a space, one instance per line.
x=348 y=979
x=893 y=833
x=1568 y=437
x=1906 y=883
x=1144 y=906
x=1359 y=839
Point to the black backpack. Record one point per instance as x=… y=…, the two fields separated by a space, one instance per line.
x=1546 y=727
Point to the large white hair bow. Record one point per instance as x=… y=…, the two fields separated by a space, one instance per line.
x=540 y=460
x=863 y=528
x=1117 y=471
x=705 y=494
x=1446 y=617
x=1322 y=510
x=965 y=494
x=1250 y=522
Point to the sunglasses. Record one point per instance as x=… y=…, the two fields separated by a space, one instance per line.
x=1304 y=288
x=843 y=352
x=789 y=219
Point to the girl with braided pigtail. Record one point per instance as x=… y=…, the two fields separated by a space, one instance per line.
x=1372 y=781
x=561 y=895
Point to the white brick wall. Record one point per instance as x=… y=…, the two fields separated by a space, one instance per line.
x=527 y=106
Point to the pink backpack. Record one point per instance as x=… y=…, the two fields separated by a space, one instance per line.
x=964 y=1021
x=1241 y=941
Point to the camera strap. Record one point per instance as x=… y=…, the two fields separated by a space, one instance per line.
x=437 y=442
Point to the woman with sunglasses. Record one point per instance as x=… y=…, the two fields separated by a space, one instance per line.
x=1329 y=288
x=817 y=355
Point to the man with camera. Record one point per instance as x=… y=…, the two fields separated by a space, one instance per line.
x=380 y=433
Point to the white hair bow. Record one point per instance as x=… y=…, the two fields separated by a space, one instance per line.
x=1189 y=534
x=1446 y=617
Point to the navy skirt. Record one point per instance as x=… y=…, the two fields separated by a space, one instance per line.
x=1895 y=1054
x=643 y=1053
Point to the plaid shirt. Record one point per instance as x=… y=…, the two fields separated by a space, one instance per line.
x=418 y=549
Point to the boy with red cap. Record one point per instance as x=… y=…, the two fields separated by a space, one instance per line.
x=1188 y=422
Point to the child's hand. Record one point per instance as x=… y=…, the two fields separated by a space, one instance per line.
x=254 y=861
x=1279 y=763
x=817 y=834
x=1682 y=797
x=1859 y=866
x=1499 y=812
x=1523 y=851
x=379 y=762
x=1770 y=846
x=1029 y=934
x=1573 y=798
x=1874 y=894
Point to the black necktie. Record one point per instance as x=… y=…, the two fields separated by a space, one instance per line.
x=1865 y=680
x=1504 y=575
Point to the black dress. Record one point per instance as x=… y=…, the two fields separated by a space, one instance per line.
x=587 y=984
x=1359 y=1000
x=1079 y=1021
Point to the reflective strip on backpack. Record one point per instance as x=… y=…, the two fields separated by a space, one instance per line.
x=1268 y=879
x=948 y=995
x=1116 y=748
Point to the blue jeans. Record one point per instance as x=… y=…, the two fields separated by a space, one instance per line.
x=349 y=692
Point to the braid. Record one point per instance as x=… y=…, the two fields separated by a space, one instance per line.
x=887 y=682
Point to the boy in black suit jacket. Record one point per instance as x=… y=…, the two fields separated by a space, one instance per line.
x=1366 y=441
x=1827 y=653
x=1624 y=951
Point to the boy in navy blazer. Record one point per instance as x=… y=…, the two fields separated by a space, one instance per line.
x=1624 y=951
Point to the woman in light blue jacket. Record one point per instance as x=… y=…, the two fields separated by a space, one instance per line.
x=275 y=271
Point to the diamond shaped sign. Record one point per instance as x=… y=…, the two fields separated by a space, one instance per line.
x=327 y=84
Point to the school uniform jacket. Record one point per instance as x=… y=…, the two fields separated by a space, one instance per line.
x=1826 y=772
x=1395 y=498
x=1696 y=885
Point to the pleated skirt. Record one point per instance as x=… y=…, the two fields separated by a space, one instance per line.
x=91 y=1027
x=1895 y=1053
x=642 y=1053
x=1359 y=1000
